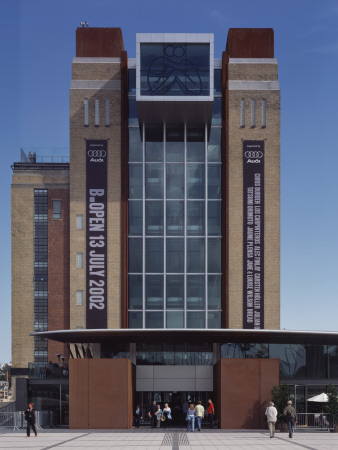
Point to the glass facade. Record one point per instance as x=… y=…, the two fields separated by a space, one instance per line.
x=297 y=361
x=175 y=69
x=40 y=273
x=174 y=354
x=174 y=218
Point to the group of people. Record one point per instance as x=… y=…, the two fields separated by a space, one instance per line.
x=158 y=415
x=32 y=157
x=193 y=415
x=289 y=413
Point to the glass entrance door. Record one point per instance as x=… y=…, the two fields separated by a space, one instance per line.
x=178 y=401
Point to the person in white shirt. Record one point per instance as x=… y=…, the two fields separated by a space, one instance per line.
x=199 y=415
x=271 y=417
x=167 y=414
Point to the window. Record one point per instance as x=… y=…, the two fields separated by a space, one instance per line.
x=253 y=113
x=154 y=292
x=263 y=113
x=79 y=260
x=135 y=292
x=154 y=255
x=56 y=209
x=135 y=215
x=175 y=255
x=107 y=113
x=195 y=218
x=135 y=255
x=135 y=145
x=79 y=298
x=175 y=69
x=242 y=112
x=79 y=221
x=154 y=218
x=175 y=181
x=86 y=115
x=195 y=292
x=97 y=112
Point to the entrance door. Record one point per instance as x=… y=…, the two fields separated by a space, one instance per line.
x=178 y=401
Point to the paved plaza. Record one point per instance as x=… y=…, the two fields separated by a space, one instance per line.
x=146 y=439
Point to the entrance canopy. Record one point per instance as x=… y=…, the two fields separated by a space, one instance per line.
x=192 y=335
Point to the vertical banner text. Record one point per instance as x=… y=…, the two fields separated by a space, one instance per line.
x=96 y=233
x=253 y=234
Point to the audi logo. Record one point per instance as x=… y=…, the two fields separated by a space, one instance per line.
x=97 y=153
x=253 y=154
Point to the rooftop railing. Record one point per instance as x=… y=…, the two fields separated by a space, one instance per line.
x=47 y=371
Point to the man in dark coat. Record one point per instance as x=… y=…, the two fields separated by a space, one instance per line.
x=30 y=418
x=153 y=414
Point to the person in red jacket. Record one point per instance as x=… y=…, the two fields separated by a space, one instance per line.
x=31 y=419
x=211 y=412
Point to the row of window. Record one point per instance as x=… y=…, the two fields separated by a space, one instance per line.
x=174 y=181
x=96 y=112
x=168 y=293
x=174 y=218
x=176 y=255
x=171 y=144
x=40 y=272
x=57 y=214
x=253 y=113
x=296 y=360
x=174 y=319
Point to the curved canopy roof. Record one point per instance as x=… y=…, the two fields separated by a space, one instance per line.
x=191 y=335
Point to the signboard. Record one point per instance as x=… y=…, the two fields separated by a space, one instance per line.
x=253 y=234
x=96 y=233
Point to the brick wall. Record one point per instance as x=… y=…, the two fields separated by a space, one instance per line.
x=58 y=270
x=248 y=71
x=79 y=133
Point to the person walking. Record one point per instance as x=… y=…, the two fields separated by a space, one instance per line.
x=137 y=417
x=191 y=414
x=291 y=417
x=199 y=411
x=31 y=419
x=167 y=414
x=271 y=417
x=211 y=412
x=158 y=417
x=153 y=414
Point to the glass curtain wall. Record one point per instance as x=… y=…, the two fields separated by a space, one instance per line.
x=174 y=224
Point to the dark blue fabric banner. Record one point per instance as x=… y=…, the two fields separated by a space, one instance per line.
x=253 y=234
x=96 y=233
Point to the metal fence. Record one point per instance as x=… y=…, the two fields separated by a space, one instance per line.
x=16 y=420
x=315 y=422
x=7 y=407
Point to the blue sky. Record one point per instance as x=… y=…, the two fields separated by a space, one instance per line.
x=37 y=47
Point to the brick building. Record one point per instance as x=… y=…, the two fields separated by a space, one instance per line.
x=163 y=229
